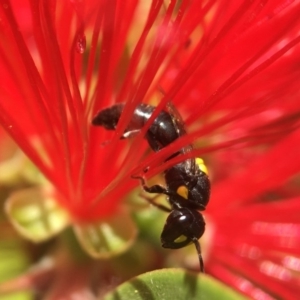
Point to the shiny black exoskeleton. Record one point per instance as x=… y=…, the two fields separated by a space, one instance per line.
x=187 y=184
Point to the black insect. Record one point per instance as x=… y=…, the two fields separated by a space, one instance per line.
x=187 y=184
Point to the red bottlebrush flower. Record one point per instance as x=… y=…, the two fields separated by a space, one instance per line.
x=230 y=69
x=256 y=224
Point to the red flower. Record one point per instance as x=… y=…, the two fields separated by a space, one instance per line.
x=256 y=225
x=230 y=68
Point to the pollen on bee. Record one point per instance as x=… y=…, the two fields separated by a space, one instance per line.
x=200 y=163
x=183 y=191
x=180 y=239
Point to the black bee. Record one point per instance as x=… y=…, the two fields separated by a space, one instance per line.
x=187 y=184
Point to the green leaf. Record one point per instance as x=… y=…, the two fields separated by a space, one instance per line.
x=35 y=214
x=173 y=284
x=23 y=295
x=108 y=237
x=14 y=261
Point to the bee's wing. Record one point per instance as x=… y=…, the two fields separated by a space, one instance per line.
x=180 y=127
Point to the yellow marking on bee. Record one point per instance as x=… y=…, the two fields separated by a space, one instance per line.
x=200 y=163
x=180 y=239
x=183 y=191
